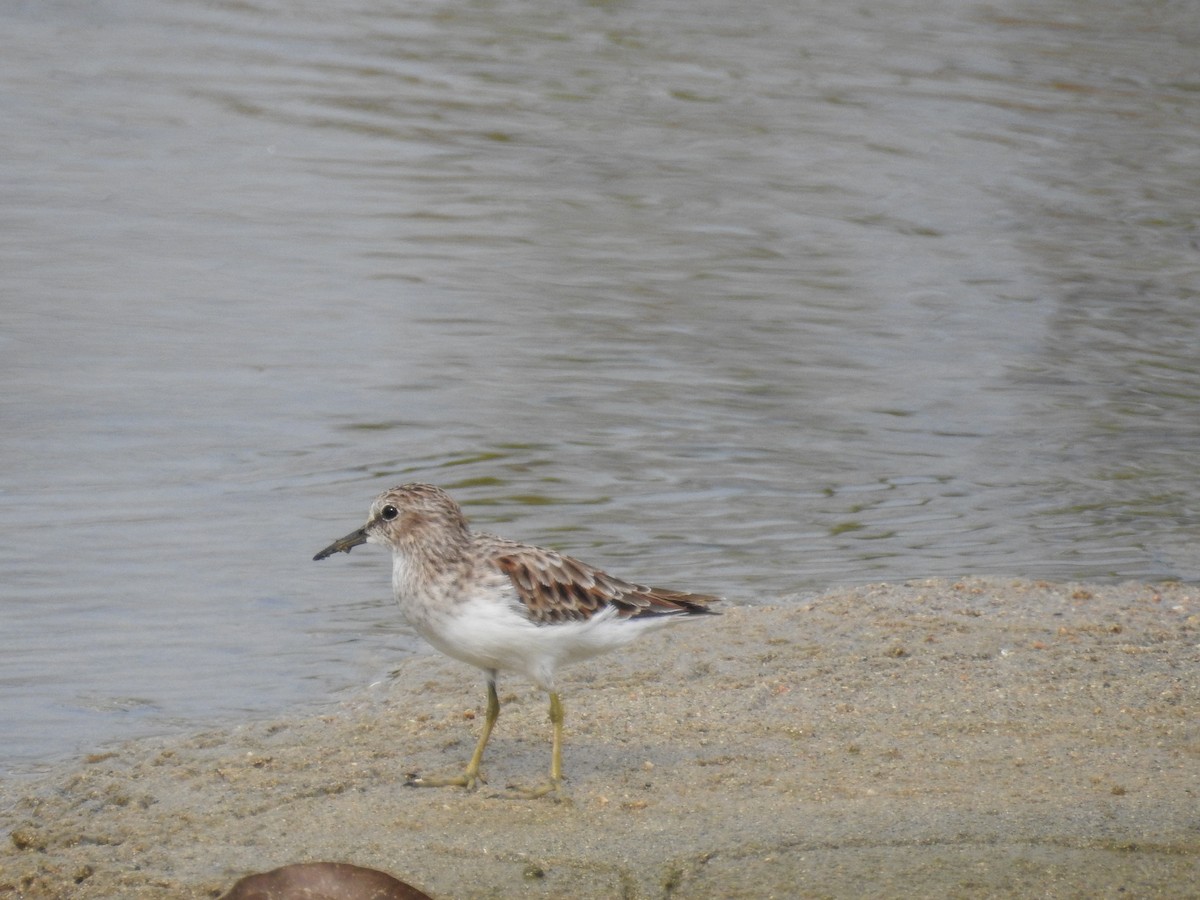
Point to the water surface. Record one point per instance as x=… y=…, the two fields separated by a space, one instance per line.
x=754 y=299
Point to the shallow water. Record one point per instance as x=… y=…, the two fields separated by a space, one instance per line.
x=752 y=299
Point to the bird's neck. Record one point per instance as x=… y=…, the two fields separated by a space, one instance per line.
x=418 y=565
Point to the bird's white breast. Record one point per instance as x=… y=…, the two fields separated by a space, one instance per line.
x=492 y=632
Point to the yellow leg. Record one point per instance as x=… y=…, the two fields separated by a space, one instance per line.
x=553 y=787
x=556 y=719
x=469 y=779
x=493 y=713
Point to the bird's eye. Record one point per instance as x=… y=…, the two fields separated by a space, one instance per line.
x=389 y=512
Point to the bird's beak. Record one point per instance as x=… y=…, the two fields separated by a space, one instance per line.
x=344 y=545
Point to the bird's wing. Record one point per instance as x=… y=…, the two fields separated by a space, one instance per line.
x=557 y=588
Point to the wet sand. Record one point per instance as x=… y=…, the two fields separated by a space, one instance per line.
x=937 y=739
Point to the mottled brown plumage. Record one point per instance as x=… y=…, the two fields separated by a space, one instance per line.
x=505 y=606
x=557 y=588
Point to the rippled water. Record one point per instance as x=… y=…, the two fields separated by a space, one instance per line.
x=751 y=298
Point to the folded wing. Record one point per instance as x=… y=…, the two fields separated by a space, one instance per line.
x=557 y=588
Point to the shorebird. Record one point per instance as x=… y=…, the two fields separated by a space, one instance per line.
x=504 y=606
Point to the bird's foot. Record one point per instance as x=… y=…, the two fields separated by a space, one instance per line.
x=468 y=779
x=552 y=790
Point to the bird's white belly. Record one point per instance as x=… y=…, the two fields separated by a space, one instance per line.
x=492 y=635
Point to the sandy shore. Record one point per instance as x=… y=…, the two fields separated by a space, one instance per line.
x=940 y=739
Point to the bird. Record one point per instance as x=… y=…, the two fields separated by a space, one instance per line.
x=505 y=606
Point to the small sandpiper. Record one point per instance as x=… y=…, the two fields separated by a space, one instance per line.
x=505 y=606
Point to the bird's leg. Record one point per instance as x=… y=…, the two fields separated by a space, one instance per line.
x=553 y=787
x=489 y=722
x=556 y=719
x=471 y=778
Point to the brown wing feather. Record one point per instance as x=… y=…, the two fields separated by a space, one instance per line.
x=557 y=588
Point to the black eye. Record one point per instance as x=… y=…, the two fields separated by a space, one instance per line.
x=389 y=512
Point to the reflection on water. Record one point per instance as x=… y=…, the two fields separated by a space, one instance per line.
x=752 y=300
